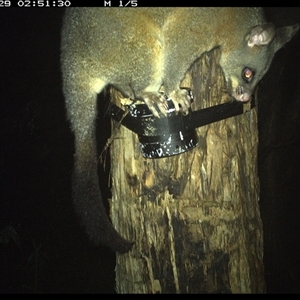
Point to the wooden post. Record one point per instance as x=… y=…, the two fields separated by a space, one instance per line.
x=194 y=217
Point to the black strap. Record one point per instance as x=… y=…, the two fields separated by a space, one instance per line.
x=178 y=122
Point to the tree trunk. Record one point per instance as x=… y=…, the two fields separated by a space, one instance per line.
x=194 y=217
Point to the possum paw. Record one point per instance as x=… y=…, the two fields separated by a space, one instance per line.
x=158 y=103
x=182 y=100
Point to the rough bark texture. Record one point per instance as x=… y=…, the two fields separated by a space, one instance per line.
x=194 y=217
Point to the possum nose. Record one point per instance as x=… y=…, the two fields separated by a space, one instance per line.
x=243 y=97
x=241 y=94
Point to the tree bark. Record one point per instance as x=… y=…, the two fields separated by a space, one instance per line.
x=194 y=217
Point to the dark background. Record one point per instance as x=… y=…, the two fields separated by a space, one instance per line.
x=42 y=247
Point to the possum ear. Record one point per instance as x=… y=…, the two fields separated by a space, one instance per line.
x=261 y=35
x=284 y=34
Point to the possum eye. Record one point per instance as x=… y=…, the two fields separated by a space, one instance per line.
x=247 y=74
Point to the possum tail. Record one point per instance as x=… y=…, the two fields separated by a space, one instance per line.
x=89 y=206
x=81 y=105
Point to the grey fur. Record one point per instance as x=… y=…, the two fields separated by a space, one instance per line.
x=138 y=50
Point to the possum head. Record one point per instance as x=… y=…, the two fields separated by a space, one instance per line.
x=245 y=65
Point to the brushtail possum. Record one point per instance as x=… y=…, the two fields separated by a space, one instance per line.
x=137 y=50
